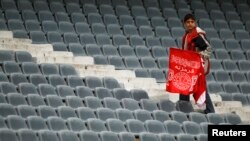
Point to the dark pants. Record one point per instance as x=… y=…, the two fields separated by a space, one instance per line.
x=209 y=104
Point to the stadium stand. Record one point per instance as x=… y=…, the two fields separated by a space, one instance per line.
x=96 y=69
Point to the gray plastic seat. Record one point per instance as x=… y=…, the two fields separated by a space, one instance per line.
x=124 y=114
x=35 y=100
x=146 y=31
x=32 y=25
x=16 y=99
x=38 y=37
x=66 y=112
x=14 y=24
x=142 y=21
x=94 y=18
x=89 y=135
x=56 y=123
x=158 y=52
x=162 y=63
x=23 y=56
x=232 y=44
x=222 y=76
x=232 y=118
x=167 y=105
x=54 y=101
x=85 y=113
x=6 y=87
x=8 y=135
x=244 y=87
x=148 y=137
x=47 y=135
x=74 y=101
x=142 y=115
x=30 y=68
x=77 y=49
x=120 y=40
x=76 y=124
x=49 y=26
x=169 y=12
x=103 y=39
x=56 y=80
x=226 y=34
x=220 y=24
x=110 y=19
x=173 y=127
x=213 y=87
x=130 y=30
x=106 y=9
x=46 y=111
x=45 y=16
x=142 y=73
x=66 y=70
x=241 y=34
x=11 y=67
x=158 y=75
x=136 y=40
x=135 y=126
x=138 y=11
x=2 y=100
x=3 y=25
x=120 y=93
x=192 y=128
x=54 y=37
x=130 y=104
x=184 y=106
x=96 y=125
x=89 y=8
x=126 y=136
x=49 y=69
x=101 y=60
x=93 y=82
x=64 y=91
x=126 y=51
x=110 y=83
x=16 y=122
x=174 y=22
x=236 y=25
x=7 y=109
x=126 y=20
x=36 y=123
x=148 y=63
x=93 y=50
x=197 y=117
x=115 y=125
x=154 y=126
x=37 y=79
x=217 y=43
x=65 y=135
x=70 y=37
x=114 y=29
x=152 y=42
x=161 y=115
x=65 y=27
x=26 y=110
x=153 y=12
x=27 y=135
x=74 y=81
x=46 y=89
x=102 y=92
x=221 y=54
x=56 y=6
x=139 y=94
x=73 y=8
x=16 y=78
x=179 y=116
x=142 y=51
x=166 y=137
x=111 y=103
x=238 y=77
x=185 y=137
x=162 y=31
x=215 y=118
x=105 y=113
x=12 y=14
x=230 y=87
x=132 y=62
x=83 y=91
x=93 y=102
x=77 y=18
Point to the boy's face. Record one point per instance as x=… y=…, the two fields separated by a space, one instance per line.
x=189 y=24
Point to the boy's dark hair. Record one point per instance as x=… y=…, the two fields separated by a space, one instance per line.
x=188 y=16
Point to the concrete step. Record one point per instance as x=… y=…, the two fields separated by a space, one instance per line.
x=6 y=34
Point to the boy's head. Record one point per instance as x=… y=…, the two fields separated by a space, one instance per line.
x=189 y=22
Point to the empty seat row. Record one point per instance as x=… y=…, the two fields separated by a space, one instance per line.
x=28 y=68
x=17 y=56
x=243 y=98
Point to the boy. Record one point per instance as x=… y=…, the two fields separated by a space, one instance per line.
x=194 y=40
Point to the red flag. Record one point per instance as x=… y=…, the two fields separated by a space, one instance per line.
x=186 y=74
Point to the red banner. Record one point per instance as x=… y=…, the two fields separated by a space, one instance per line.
x=186 y=74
